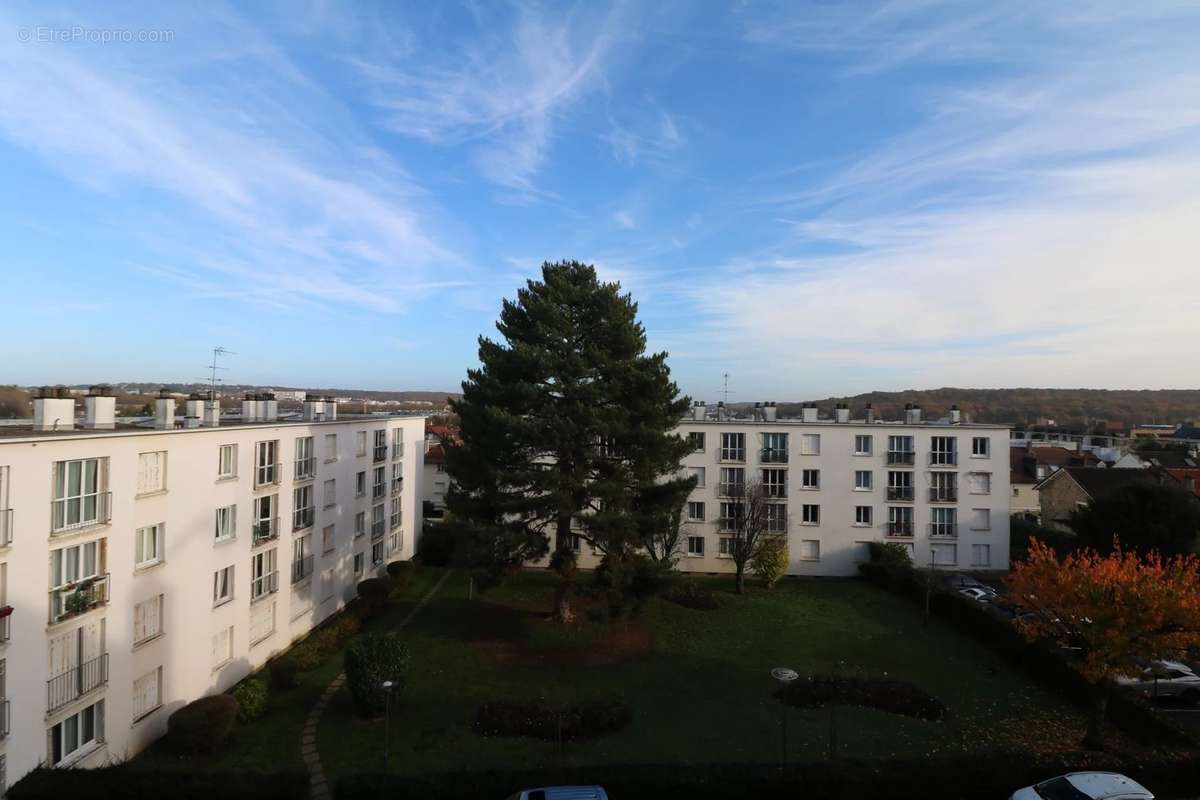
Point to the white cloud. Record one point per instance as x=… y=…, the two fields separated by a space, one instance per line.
x=624 y=219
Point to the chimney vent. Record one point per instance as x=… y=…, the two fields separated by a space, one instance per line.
x=211 y=415
x=330 y=408
x=955 y=415
x=314 y=409
x=193 y=411
x=842 y=413
x=53 y=412
x=270 y=407
x=808 y=413
x=99 y=409
x=770 y=412
x=912 y=414
x=164 y=411
x=869 y=411
x=249 y=408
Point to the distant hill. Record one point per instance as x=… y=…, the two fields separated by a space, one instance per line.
x=1067 y=407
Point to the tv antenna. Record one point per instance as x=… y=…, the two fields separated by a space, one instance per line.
x=212 y=368
x=725 y=387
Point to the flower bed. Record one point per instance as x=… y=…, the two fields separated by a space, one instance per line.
x=539 y=721
x=894 y=697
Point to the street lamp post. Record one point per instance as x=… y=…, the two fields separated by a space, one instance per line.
x=387 y=721
x=783 y=677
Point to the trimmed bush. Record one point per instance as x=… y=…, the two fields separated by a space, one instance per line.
x=438 y=544
x=401 y=572
x=572 y=723
x=690 y=594
x=770 y=560
x=307 y=656
x=283 y=672
x=202 y=725
x=894 y=697
x=373 y=596
x=346 y=626
x=251 y=696
x=326 y=640
x=140 y=782
x=370 y=660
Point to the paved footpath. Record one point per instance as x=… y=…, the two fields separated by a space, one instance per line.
x=318 y=785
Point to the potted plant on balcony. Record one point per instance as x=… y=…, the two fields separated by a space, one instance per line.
x=77 y=602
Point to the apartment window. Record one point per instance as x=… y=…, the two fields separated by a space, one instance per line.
x=862 y=516
x=377 y=521
x=330 y=493
x=725 y=546
x=397 y=477
x=397 y=443
x=222 y=647
x=396 y=542
x=775 y=448
x=810 y=444
x=981 y=447
x=900 y=521
x=900 y=450
x=147 y=693
x=863 y=444
x=943 y=521
x=810 y=479
x=980 y=482
x=326 y=585
x=810 y=549
x=380 y=453
x=696 y=440
x=78 y=499
x=377 y=553
x=695 y=545
x=943 y=450
x=695 y=511
x=262 y=622
x=68 y=567
x=266 y=524
x=943 y=554
x=306 y=461
x=360 y=523
x=148 y=546
x=943 y=487
x=698 y=474
x=863 y=480
x=810 y=514
x=379 y=486
x=147 y=620
x=302 y=558
x=981 y=555
x=328 y=541
x=733 y=481
x=981 y=519
x=360 y=440
x=227 y=461
x=303 y=508
x=263 y=575
x=152 y=472
x=395 y=518
x=223 y=586
x=900 y=486
x=733 y=447
x=331 y=453
x=360 y=562
x=862 y=552
x=266 y=468
x=776 y=517
x=360 y=483
x=731 y=515
x=774 y=482
x=77 y=734
x=226 y=525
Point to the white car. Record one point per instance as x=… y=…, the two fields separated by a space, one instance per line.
x=1085 y=786
x=1166 y=679
x=977 y=594
x=562 y=793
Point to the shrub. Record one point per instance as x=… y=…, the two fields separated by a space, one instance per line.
x=307 y=656
x=202 y=725
x=770 y=560
x=438 y=545
x=895 y=697
x=691 y=594
x=326 y=640
x=891 y=555
x=401 y=572
x=283 y=672
x=251 y=696
x=370 y=660
x=346 y=626
x=373 y=596
x=585 y=721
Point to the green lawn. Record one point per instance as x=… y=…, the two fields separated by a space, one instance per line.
x=701 y=690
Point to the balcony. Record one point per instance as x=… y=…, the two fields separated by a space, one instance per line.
x=306 y=468
x=76 y=682
x=267 y=474
x=303 y=518
x=378 y=490
x=5 y=623
x=731 y=489
x=397 y=486
x=900 y=494
x=940 y=458
x=773 y=456
x=943 y=495
x=78 y=598
x=377 y=530
x=901 y=457
x=264 y=530
x=77 y=513
x=776 y=491
x=899 y=529
x=943 y=530
x=728 y=525
x=6 y=527
x=302 y=568
x=261 y=587
x=397 y=451
x=733 y=454
x=380 y=453
x=395 y=520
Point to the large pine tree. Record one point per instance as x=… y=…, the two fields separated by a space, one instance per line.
x=567 y=430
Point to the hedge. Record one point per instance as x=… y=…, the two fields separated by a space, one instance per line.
x=131 y=782
x=202 y=725
x=919 y=778
x=370 y=660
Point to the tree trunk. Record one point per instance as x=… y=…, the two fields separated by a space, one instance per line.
x=563 y=562
x=741 y=579
x=1094 y=740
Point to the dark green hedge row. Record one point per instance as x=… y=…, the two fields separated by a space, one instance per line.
x=916 y=779
x=133 y=783
x=1042 y=663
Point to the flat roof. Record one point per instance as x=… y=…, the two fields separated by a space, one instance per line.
x=21 y=430
x=860 y=423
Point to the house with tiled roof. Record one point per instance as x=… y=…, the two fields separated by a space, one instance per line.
x=1028 y=466
x=1069 y=488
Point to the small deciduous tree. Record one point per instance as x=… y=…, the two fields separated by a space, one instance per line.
x=745 y=521
x=1120 y=610
x=770 y=561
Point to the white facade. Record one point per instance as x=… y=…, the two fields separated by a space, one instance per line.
x=151 y=581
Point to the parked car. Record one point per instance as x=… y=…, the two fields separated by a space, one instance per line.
x=562 y=793
x=960 y=581
x=1165 y=679
x=978 y=594
x=1085 y=786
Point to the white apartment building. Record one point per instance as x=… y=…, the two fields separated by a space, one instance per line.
x=144 y=566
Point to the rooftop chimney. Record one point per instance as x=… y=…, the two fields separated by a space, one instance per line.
x=270 y=407
x=53 y=410
x=330 y=408
x=842 y=413
x=770 y=412
x=699 y=410
x=869 y=410
x=211 y=416
x=164 y=410
x=314 y=409
x=912 y=414
x=249 y=408
x=955 y=415
x=758 y=412
x=720 y=409
x=99 y=409
x=808 y=413
x=193 y=411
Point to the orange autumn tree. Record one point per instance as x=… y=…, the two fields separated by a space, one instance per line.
x=1121 y=610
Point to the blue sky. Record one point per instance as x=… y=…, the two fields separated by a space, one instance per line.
x=818 y=198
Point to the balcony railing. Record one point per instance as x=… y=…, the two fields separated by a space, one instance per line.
x=303 y=518
x=302 y=568
x=380 y=453
x=731 y=489
x=394 y=520
x=377 y=530
x=733 y=454
x=261 y=587
x=776 y=490
x=772 y=455
x=397 y=450
x=78 y=598
x=267 y=474
x=899 y=529
x=941 y=458
x=76 y=682
x=943 y=495
x=75 y=513
x=727 y=524
x=397 y=485
x=5 y=624
x=945 y=530
x=5 y=720
x=902 y=457
x=903 y=494
x=264 y=530
x=378 y=490
x=306 y=468
x=6 y=527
